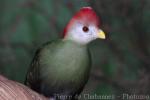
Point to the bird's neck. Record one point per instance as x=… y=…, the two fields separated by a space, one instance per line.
x=75 y=40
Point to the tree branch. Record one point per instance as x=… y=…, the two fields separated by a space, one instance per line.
x=11 y=90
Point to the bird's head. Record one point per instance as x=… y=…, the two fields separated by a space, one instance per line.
x=84 y=27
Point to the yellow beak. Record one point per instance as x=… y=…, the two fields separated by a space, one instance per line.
x=101 y=34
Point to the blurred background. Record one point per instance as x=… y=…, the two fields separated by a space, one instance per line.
x=121 y=63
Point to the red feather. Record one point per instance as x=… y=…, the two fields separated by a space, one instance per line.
x=85 y=15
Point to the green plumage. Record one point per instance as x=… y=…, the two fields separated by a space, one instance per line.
x=60 y=67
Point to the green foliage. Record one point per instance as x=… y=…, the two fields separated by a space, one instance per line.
x=104 y=91
x=109 y=68
x=22 y=34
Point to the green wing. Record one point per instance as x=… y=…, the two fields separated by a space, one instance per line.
x=32 y=78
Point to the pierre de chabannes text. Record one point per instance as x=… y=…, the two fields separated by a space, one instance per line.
x=124 y=96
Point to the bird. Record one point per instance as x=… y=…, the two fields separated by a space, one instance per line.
x=61 y=68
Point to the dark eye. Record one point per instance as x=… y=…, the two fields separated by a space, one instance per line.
x=85 y=29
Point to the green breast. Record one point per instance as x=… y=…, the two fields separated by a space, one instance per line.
x=64 y=62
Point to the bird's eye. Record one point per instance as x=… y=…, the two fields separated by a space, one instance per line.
x=85 y=29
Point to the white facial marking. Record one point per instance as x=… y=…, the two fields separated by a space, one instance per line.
x=77 y=34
